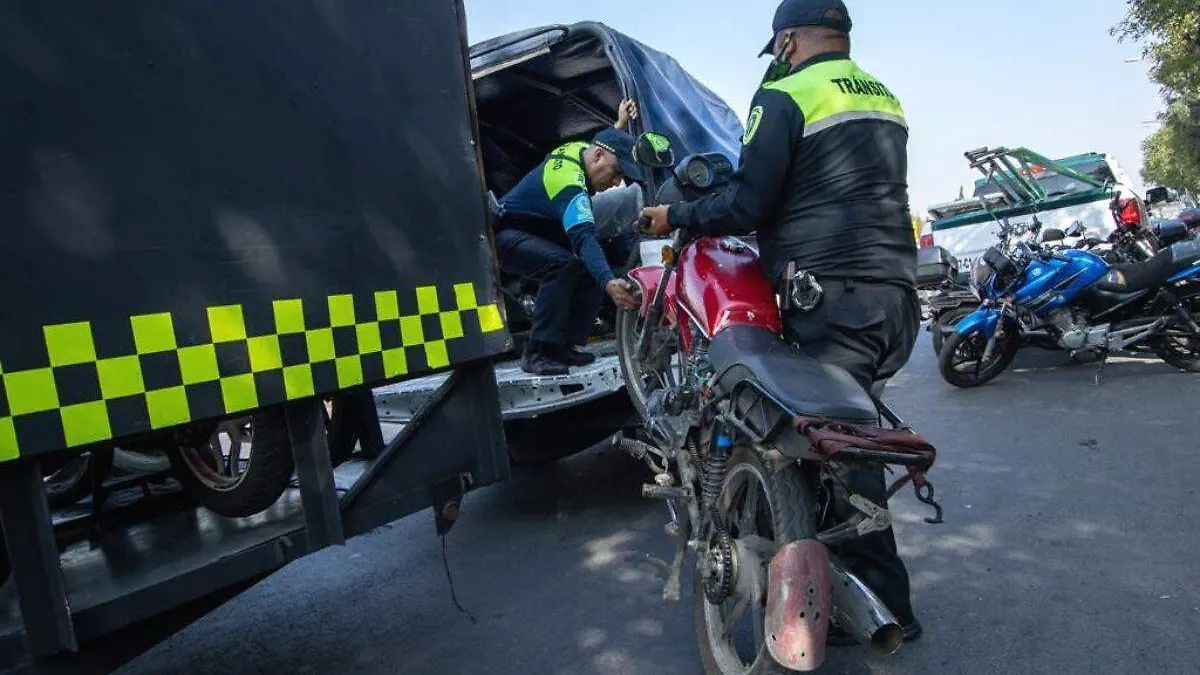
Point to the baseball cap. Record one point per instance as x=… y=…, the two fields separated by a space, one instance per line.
x=621 y=144
x=792 y=13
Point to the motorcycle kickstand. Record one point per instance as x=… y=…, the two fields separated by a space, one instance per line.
x=671 y=589
x=1098 y=378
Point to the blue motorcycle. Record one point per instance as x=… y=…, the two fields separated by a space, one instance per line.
x=1037 y=292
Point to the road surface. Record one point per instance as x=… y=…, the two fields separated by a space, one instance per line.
x=1070 y=547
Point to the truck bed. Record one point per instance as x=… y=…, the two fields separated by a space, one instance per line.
x=522 y=396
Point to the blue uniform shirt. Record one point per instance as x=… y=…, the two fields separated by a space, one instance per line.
x=554 y=201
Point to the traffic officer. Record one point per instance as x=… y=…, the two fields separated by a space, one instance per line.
x=547 y=234
x=823 y=180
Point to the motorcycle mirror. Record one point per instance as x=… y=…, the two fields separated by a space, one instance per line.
x=654 y=150
x=1157 y=195
x=1051 y=234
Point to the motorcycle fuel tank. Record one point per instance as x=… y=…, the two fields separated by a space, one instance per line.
x=1056 y=282
x=720 y=283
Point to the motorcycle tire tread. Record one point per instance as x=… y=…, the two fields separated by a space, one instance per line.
x=793 y=519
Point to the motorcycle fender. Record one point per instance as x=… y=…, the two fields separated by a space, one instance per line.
x=647 y=279
x=982 y=320
x=798 y=605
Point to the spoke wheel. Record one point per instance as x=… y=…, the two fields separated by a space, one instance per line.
x=643 y=378
x=761 y=510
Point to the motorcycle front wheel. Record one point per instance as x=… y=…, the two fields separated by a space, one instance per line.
x=945 y=321
x=643 y=378
x=761 y=509
x=961 y=359
x=242 y=468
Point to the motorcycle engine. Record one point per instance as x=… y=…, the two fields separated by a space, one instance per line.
x=1074 y=331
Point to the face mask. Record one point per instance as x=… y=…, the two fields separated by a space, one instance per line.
x=780 y=66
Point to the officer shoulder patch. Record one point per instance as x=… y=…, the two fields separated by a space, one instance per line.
x=752 y=124
x=579 y=212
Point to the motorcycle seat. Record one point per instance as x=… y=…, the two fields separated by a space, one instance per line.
x=1170 y=231
x=1139 y=276
x=803 y=385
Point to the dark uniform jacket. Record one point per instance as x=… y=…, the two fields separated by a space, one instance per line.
x=553 y=202
x=822 y=177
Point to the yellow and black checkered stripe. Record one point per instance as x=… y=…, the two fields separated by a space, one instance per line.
x=82 y=397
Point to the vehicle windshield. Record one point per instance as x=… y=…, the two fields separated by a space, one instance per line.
x=1056 y=184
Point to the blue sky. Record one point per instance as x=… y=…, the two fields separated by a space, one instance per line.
x=1044 y=74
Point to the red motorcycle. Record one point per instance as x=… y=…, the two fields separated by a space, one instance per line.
x=747 y=440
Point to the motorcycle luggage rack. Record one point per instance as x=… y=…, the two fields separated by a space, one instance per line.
x=750 y=414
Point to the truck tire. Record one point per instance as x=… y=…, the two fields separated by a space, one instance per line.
x=209 y=476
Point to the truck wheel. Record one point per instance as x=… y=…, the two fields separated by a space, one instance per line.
x=242 y=468
x=69 y=479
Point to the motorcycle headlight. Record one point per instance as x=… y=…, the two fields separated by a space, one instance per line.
x=981 y=273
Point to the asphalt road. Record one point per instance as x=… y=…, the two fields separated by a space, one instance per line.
x=1070 y=547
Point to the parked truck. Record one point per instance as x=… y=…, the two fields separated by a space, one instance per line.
x=238 y=216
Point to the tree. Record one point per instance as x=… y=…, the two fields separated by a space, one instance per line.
x=1170 y=30
x=1173 y=152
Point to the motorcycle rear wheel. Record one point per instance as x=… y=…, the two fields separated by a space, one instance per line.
x=756 y=500
x=1180 y=352
x=960 y=349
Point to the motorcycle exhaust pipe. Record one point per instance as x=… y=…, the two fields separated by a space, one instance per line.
x=861 y=613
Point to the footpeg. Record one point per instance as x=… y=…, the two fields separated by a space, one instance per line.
x=662 y=492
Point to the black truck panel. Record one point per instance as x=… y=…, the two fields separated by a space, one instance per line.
x=213 y=207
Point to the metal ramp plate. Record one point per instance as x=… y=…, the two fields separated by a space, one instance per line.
x=522 y=396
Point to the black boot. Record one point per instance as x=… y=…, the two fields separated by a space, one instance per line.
x=572 y=356
x=540 y=360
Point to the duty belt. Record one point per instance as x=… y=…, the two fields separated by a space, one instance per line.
x=801 y=290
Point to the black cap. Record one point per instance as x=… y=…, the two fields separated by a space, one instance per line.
x=793 y=13
x=621 y=144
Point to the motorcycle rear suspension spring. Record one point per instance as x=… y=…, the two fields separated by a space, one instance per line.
x=715 y=468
